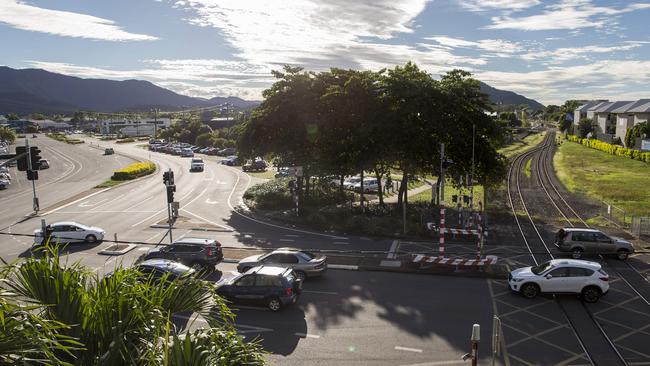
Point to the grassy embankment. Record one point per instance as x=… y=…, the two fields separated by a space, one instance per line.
x=523 y=145
x=619 y=181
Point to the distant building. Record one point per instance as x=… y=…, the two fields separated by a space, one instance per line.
x=587 y=110
x=221 y=122
x=613 y=119
x=3 y=119
x=139 y=127
x=49 y=125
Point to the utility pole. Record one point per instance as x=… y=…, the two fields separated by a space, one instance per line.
x=441 y=179
x=155 y=123
x=172 y=207
x=35 y=205
x=471 y=181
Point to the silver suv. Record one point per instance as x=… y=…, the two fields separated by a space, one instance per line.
x=304 y=263
x=579 y=241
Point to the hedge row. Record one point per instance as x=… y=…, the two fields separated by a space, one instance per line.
x=123 y=141
x=134 y=170
x=64 y=138
x=612 y=149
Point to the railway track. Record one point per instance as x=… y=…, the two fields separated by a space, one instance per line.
x=592 y=337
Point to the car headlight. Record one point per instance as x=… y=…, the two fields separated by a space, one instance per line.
x=517 y=279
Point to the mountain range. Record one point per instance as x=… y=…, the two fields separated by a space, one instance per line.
x=25 y=91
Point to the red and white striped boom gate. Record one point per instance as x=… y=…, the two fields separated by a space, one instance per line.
x=425 y=259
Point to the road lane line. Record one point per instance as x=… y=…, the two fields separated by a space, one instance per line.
x=341 y=243
x=292 y=236
x=208 y=221
x=320 y=292
x=287 y=240
x=400 y=348
x=139 y=203
x=307 y=335
x=74 y=202
x=154 y=236
x=393 y=249
x=111 y=201
x=232 y=208
x=160 y=211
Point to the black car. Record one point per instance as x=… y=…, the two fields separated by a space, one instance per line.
x=273 y=287
x=159 y=268
x=205 y=253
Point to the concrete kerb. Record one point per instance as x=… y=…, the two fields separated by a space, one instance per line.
x=117 y=249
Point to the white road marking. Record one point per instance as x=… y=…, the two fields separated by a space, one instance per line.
x=211 y=202
x=138 y=203
x=208 y=221
x=251 y=329
x=288 y=240
x=92 y=204
x=399 y=348
x=164 y=209
x=342 y=266
x=142 y=249
x=154 y=236
x=393 y=249
x=320 y=292
x=111 y=201
x=74 y=202
x=341 y=243
x=307 y=335
x=291 y=235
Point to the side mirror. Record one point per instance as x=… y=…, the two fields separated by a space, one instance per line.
x=549 y=276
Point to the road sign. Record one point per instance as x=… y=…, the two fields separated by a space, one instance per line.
x=295 y=171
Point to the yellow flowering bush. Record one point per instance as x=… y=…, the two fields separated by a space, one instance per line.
x=611 y=149
x=134 y=170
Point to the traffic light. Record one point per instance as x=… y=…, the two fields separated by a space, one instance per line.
x=35 y=156
x=168 y=177
x=32 y=175
x=22 y=161
x=170 y=193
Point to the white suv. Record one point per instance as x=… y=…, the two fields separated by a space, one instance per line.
x=197 y=165
x=569 y=276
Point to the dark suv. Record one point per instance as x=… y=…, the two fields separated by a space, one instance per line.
x=254 y=166
x=273 y=287
x=190 y=251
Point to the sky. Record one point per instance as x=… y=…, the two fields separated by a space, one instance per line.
x=550 y=51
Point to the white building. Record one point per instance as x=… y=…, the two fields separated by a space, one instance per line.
x=140 y=127
x=631 y=114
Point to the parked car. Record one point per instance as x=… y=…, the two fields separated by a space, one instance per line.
x=227 y=151
x=204 y=150
x=212 y=151
x=163 y=268
x=70 y=232
x=189 y=251
x=304 y=263
x=568 y=276
x=4 y=183
x=282 y=173
x=43 y=164
x=579 y=241
x=349 y=183
x=109 y=151
x=254 y=166
x=230 y=161
x=197 y=165
x=273 y=287
x=369 y=185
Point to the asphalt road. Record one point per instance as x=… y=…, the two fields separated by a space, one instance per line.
x=345 y=318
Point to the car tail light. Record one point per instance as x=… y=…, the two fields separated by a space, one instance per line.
x=210 y=252
x=605 y=279
x=289 y=291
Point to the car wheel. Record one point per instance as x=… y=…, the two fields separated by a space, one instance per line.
x=91 y=238
x=274 y=304
x=622 y=254
x=576 y=253
x=530 y=290
x=301 y=275
x=591 y=294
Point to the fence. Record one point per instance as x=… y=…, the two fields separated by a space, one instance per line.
x=615 y=214
x=640 y=226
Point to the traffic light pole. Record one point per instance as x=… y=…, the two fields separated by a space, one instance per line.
x=29 y=166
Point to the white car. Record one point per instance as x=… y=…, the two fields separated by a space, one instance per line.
x=369 y=185
x=349 y=183
x=4 y=183
x=69 y=232
x=44 y=164
x=197 y=165
x=568 y=276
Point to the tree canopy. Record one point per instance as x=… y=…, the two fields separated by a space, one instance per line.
x=345 y=122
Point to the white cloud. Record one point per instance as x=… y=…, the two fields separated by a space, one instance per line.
x=567 y=14
x=63 y=23
x=510 y=5
x=564 y=54
x=491 y=45
x=556 y=84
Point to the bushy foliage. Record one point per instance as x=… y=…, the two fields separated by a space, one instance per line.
x=126 y=140
x=612 y=149
x=636 y=131
x=585 y=126
x=134 y=170
x=271 y=195
x=63 y=138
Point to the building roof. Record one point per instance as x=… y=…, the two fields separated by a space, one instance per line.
x=610 y=106
x=642 y=108
x=631 y=107
x=590 y=105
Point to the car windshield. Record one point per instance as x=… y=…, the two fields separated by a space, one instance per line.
x=541 y=268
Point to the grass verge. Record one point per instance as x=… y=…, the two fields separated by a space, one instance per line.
x=269 y=174
x=450 y=191
x=618 y=181
x=523 y=145
x=527 y=168
x=110 y=183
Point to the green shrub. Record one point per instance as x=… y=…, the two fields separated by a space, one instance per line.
x=611 y=149
x=271 y=195
x=123 y=141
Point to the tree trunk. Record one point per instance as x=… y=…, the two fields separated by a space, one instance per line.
x=307 y=184
x=403 y=188
x=342 y=178
x=380 y=190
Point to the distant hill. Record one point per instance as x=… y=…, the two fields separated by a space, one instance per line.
x=38 y=91
x=27 y=91
x=498 y=96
